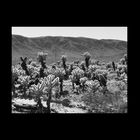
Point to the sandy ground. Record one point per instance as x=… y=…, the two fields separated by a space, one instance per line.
x=75 y=107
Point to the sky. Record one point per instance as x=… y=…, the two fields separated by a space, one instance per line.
x=119 y=33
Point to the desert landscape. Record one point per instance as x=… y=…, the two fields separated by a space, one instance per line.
x=57 y=74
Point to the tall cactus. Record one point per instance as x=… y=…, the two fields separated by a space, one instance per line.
x=44 y=89
x=37 y=92
x=41 y=72
x=41 y=57
x=50 y=82
x=24 y=65
x=125 y=57
x=87 y=58
x=113 y=65
x=64 y=59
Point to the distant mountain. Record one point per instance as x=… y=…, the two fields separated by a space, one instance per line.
x=73 y=47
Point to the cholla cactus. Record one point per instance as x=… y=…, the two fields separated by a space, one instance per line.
x=36 y=92
x=41 y=57
x=30 y=61
x=113 y=65
x=14 y=79
x=103 y=72
x=60 y=72
x=18 y=71
x=83 y=81
x=41 y=72
x=76 y=75
x=64 y=59
x=118 y=73
x=122 y=61
x=82 y=65
x=34 y=64
x=58 y=63
x=122 y=69
x=92 y=61
x=15 y=73
x=31 y=69
x=92 y=68
x=87 y=58
x=44 y=89
x=125 y=57
x=93 y=85
x=70 y=69
x=109 y=65
x=50 y=82
x=24 y=81
x=24 y=65
x=76 y=62
x=88 y=74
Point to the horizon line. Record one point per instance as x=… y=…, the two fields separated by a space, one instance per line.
x=69 y=36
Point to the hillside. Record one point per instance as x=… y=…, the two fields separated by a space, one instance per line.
x=73 y=47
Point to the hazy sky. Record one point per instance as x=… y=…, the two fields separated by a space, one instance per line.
x=119 y=33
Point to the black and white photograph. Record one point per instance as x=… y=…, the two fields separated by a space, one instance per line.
x=69 y=70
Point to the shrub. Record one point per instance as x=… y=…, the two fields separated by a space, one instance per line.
x=116 y=87
x=100 y=103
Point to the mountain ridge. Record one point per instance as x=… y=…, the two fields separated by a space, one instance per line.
x=73 y=47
